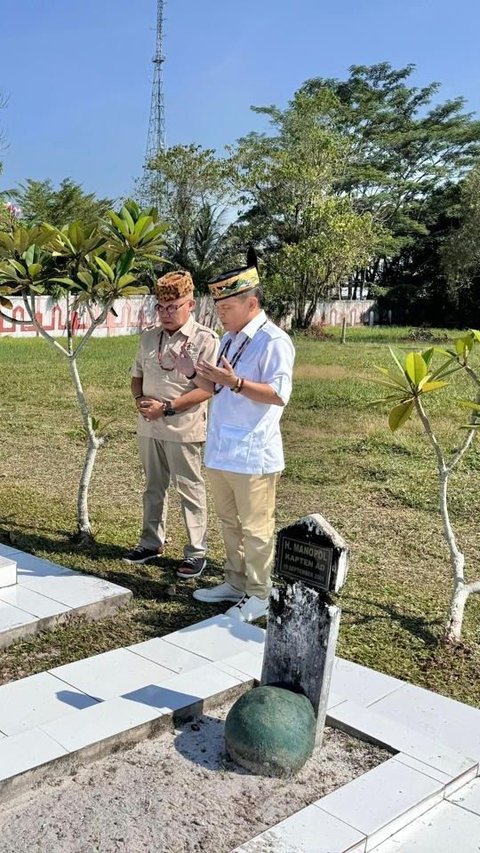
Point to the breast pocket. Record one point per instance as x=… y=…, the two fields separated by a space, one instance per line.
x=241 y=447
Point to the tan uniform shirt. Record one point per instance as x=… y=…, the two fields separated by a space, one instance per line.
x=153 y=363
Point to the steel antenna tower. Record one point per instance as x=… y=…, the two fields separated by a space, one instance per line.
x=156 y=141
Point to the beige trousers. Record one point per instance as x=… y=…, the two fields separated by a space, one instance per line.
x=245 y=505
x=166 y=462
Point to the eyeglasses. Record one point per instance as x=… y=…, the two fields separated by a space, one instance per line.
x=170 y=309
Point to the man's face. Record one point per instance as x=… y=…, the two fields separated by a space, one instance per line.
x=235 y=312
x=175 y=313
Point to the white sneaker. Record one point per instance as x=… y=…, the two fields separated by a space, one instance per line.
x=222 y=592
x=249 y=608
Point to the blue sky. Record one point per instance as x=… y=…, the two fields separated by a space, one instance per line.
x=78 y=76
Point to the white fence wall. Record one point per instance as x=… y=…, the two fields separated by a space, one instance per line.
x=135 y=314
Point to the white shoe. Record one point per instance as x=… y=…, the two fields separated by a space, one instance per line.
x=248 y=608
x=222 y=592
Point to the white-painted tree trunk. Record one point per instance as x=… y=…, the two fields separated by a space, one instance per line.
x=92 y=439
x=461 y=590
x=93 y=443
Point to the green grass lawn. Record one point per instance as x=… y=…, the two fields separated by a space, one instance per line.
x=379 y=491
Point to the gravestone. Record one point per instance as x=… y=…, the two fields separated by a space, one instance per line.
x=262 y=730
x=303 y=621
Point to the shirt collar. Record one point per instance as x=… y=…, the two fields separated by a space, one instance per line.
x=254 y=325
x=186 y=330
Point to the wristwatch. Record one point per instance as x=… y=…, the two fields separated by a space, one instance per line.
x=168 y=409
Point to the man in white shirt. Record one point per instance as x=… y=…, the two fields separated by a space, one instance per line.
x=244 y=453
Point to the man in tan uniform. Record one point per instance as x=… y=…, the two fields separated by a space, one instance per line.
x=172 y=413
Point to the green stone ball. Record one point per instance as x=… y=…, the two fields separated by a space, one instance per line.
x=271 y=731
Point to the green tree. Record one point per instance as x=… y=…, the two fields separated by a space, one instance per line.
x=192 y=188
x=91 y=266
x=404 y=148
x=312 y=238
x=408 y=385
x=39 y=202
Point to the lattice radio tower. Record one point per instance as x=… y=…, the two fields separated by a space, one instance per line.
x=156 y=141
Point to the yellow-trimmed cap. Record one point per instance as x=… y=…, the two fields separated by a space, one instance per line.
x=234 y=282
x=174 y=285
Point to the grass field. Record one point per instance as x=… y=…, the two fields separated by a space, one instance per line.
x=379 y=491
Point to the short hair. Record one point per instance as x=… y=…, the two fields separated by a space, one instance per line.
x=255 y=291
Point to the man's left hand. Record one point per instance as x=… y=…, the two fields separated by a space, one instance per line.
x=151 y=409
x=224 y=375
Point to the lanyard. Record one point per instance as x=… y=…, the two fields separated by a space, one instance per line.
x=236 y=356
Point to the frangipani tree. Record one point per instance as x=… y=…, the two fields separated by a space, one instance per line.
x=408 y=383
x=90 y=266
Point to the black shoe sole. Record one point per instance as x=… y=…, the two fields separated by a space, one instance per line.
x=187 y=577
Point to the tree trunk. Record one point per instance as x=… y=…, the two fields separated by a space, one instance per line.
x=93 y=443
x=453 y=628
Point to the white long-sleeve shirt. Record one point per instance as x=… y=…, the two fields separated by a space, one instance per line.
x=244 y=436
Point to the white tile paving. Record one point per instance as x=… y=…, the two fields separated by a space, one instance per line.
x=53 y=714
x=444 y=829
x=112 y=674
x=8 y=571
x=382 y=729
x=382 y=800
x=308 y=831
x=450 y=722
x=219 y=638
x=351 y=680
x=468 y=798
x=100 y=722
x=28 y=703
x=45 y=592
x=172 y=657
x=37 y=605
x=25 y=751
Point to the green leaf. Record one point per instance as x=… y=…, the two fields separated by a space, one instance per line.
x=64 y=280
x=34 y=270
x=135 y=291
x=427 y=355
x=468 y=404
x=399 y=414
x=126 y=279
x=106 y=268
x=126 y=216
x=5 y=303
x=415 y=368
x=476 y=334
x=432 y=385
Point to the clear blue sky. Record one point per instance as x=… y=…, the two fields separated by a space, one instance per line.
x=78 y=75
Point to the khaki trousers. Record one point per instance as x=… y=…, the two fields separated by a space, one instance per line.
x=166 y=462
x=245 y=505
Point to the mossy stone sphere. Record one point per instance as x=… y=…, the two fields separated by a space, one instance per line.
x=271 y=731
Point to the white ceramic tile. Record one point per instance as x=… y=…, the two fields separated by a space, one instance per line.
x=219 y=638
x=36 y=700
x=382 y=796
x=444 y=829
x=25 y=751
x=452 y=723
x=245 y=662
x=172 y=657
x=361 y=684
x=308 y=831
x=469 y=797
x=357 y=719
x=99 y=722
x=112 y=674
x=38 y=605
x=423 y=768
x=12 y=617
x=72 y=589
x=202 y=683
x=29 y=566
x=8 y=572
x=9 y=551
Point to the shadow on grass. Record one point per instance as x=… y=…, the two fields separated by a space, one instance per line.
x=418 y=626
